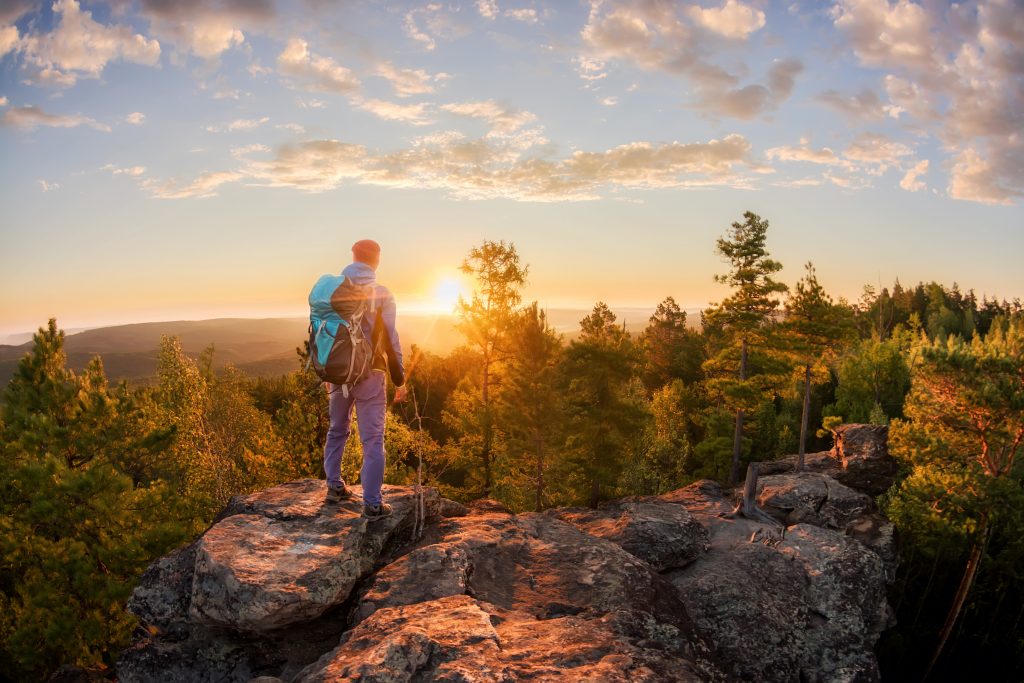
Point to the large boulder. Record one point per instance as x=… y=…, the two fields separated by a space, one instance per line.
x=863 y=452
x=664 y=535
x=281 y=558
x=287 y=562
x=460 y=638
x=811 y=498
x=805 y=608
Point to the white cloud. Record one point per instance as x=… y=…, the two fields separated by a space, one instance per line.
x=134 y=171
x=238 y=124
x=953 y=71
x=311 y=103
x=3 y=101
x=733 y=19
x=804 y=153
x=507 y=167
x=30 y=117
x=590 y=69
x=415 y=114
x=610 y=101
x=205 y=185
x=996 y=177
x=503 y=119
x=9 y=38
x=488 y=9
x=910 y=181
x=864 y=106
x=527 y=15
x=754 y=100
x=46 y=187
x=412 y=30
x=314 y=72
x=205 y=37
x=80 y=47
x=407 y=82
x=136 y=118
x=670 y=37
x=876 y=153
x=207 y=28
x=291 y=127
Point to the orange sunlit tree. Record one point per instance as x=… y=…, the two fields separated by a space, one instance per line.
x=963 y=433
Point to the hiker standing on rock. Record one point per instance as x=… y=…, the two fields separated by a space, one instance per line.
x=364 y=345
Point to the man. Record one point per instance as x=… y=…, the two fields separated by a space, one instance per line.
x=369 y=395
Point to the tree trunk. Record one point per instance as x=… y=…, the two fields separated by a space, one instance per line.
x=595 y=493
x=750 y=490
x=539 y=446
x=804 y=418
x=737 y=439
x=966 y=583
x=485 y=449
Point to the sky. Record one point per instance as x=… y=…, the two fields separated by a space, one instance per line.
x=194 y=159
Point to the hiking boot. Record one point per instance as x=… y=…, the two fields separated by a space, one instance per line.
x=372 y=512
x=338 y=494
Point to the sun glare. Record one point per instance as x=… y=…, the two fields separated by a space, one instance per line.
x=446 y=294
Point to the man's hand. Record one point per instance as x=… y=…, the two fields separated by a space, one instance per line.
x=401 y=393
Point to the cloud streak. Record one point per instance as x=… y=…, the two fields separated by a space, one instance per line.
x=487 y=168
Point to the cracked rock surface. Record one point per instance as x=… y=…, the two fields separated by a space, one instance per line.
x=284 y=588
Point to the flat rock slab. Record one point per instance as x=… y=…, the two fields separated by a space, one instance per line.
x=460 y=638
x=663 y=534
x=286 y=557
x=532 y=563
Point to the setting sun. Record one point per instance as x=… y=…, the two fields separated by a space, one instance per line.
x=446 y=294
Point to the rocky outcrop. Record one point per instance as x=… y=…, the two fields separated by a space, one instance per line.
x=863 y=451
x=286 y=588
x=662 y=534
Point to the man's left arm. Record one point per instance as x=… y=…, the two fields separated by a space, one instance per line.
x=392 y=345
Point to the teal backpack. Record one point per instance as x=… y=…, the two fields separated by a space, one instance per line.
x=338 y=351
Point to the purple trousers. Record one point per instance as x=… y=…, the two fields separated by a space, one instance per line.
x=369 y=398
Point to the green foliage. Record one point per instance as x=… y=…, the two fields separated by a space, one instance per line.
x=746 y=317
x=530 y=410
x=670 y=350
x=962 y=494
x=872 y=373
x=77 y=525
x=485 y=320
x=602 y=415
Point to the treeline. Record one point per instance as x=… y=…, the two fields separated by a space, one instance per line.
x=98 y=480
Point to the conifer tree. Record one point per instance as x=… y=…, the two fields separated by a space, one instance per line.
x=484 y=319
x=671 y=351
x=530 y=405
x=602 y=419
x=963 y=433
x=75 y=530
x=744 y=316
x=815 y=326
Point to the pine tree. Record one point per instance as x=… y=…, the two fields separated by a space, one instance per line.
x=602 y=418
x=530 y=406
x=485 y=321
x=670 y=350
x=815 y=327
x=76 y=530
x=744 y=315
x=964 y=430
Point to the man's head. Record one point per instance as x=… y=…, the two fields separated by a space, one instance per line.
x=366 y=251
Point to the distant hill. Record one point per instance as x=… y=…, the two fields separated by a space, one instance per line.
x=259 y=347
